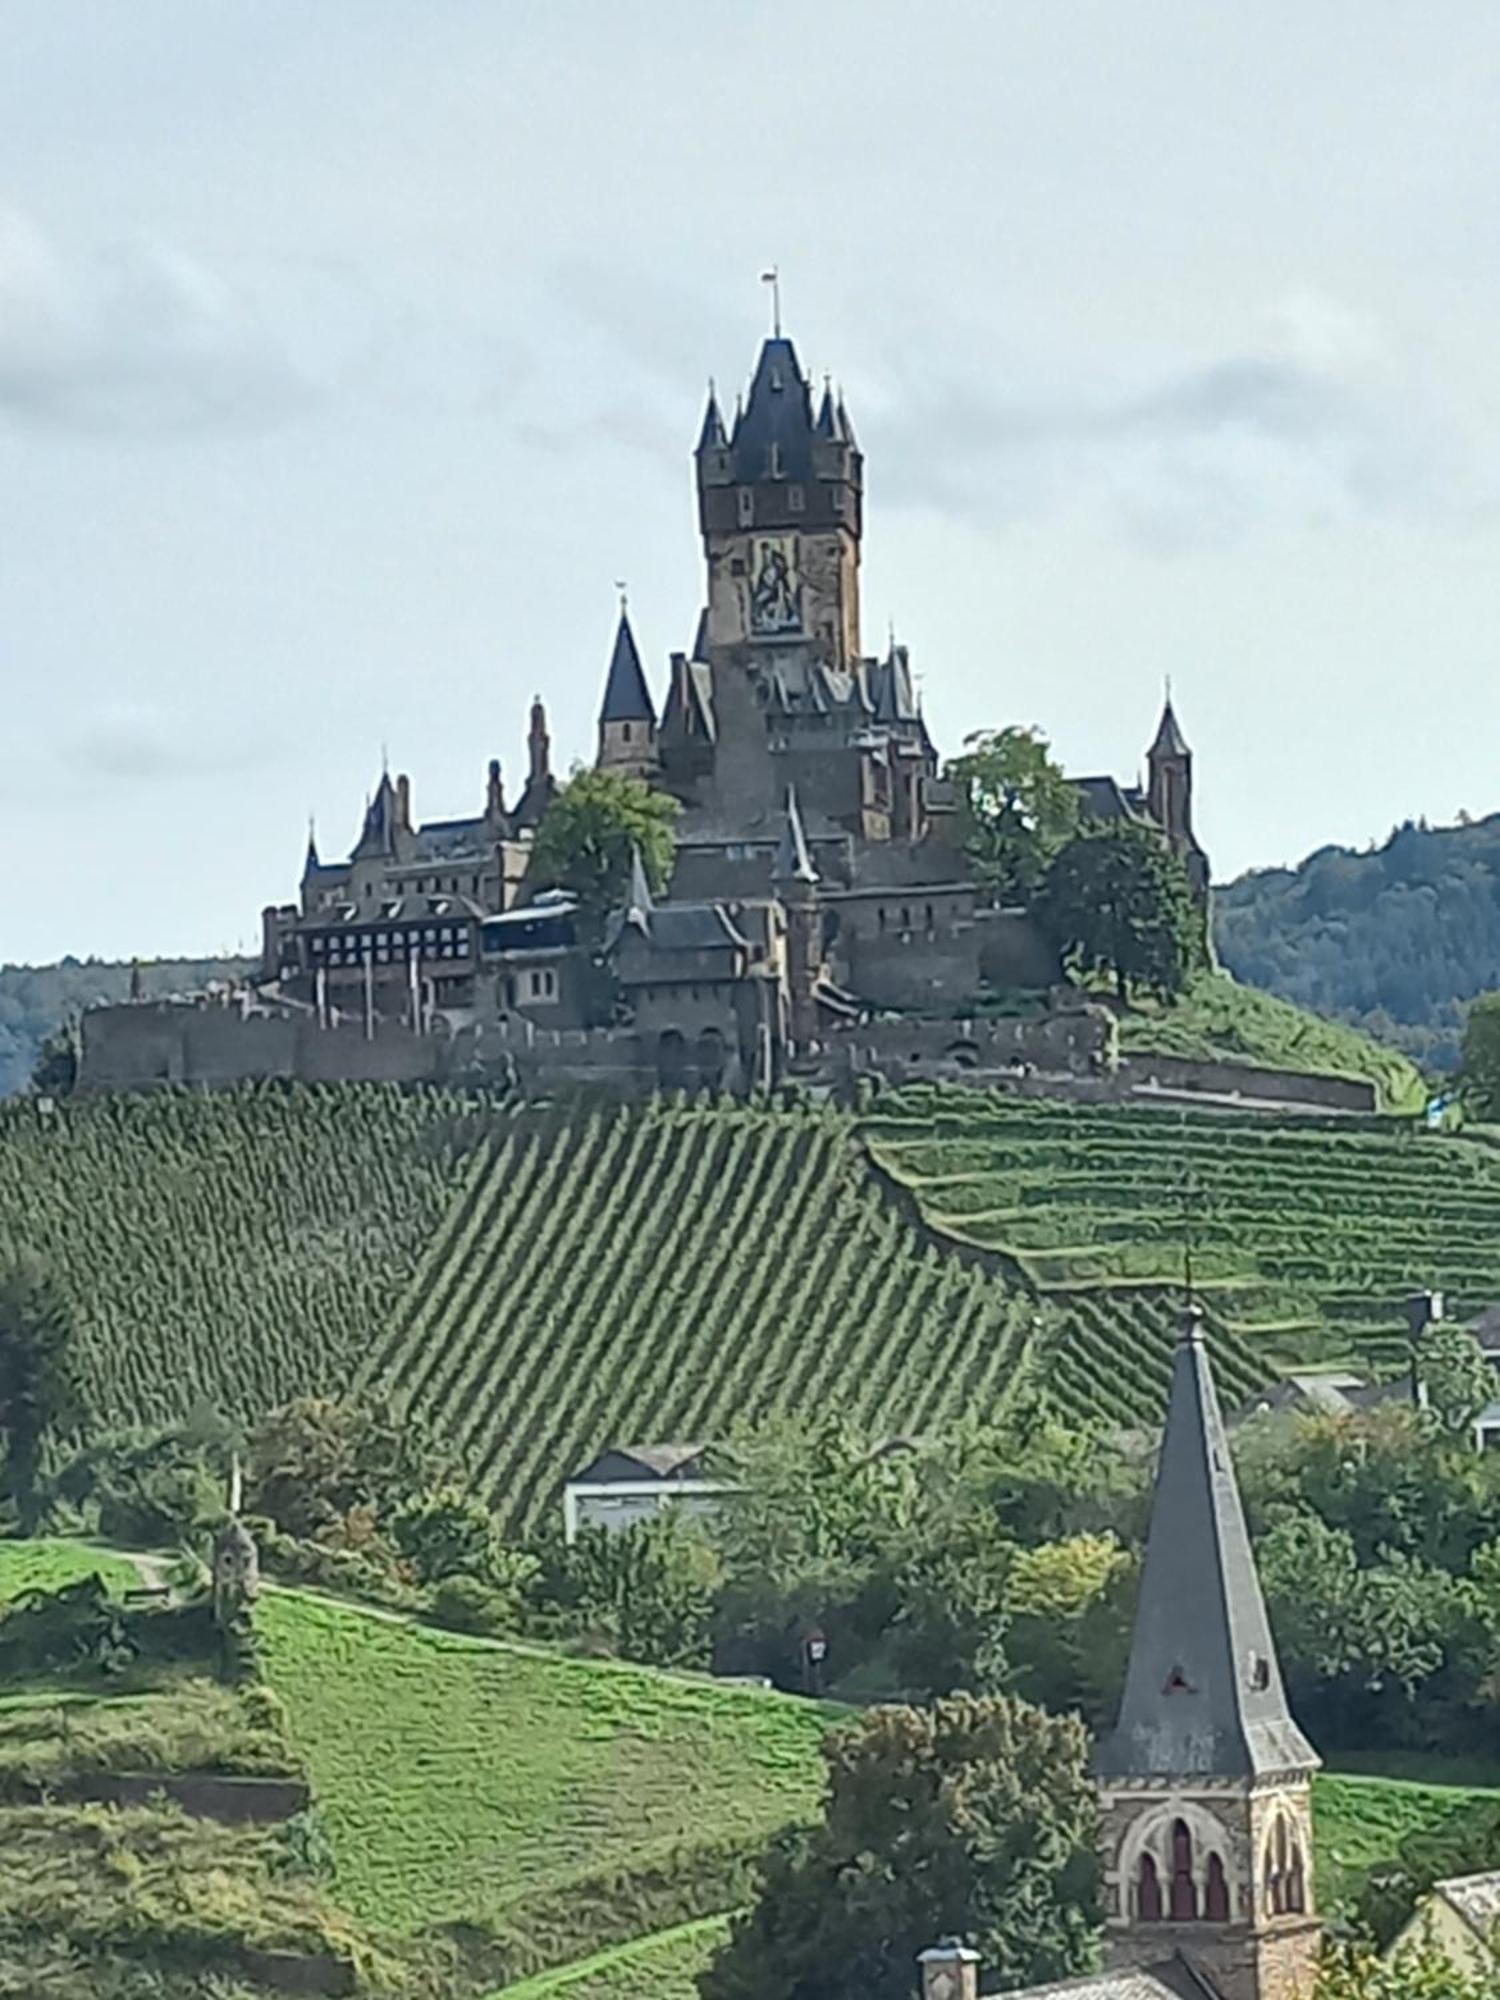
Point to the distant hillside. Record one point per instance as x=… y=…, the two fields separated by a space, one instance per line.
x=36 y=999
x=1395 y=940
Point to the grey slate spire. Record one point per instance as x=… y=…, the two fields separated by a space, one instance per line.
x=626 y=696
x=1203 y=1694
x=712 y=435
x=793 y=863
x=1170 y=741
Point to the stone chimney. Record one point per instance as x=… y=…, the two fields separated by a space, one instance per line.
x=950 y=1971
x=403 y=802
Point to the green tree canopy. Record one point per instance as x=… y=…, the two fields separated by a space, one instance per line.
x=39 y=1395
x=1117 y=900
x=1458 y=1379
x=974 y=1819
x=591 y=829
x=1016 y=809
x=1479 y=1070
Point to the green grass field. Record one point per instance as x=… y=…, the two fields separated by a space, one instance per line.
x=48 y=1565
x=461 y=1780
x=664 y=1965
x=1219 y=1018
x=1358 y=1821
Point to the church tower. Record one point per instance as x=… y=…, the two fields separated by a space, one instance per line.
x=627 y=717
x=780 y=499
x=1169 y=795
x=1205 y=1781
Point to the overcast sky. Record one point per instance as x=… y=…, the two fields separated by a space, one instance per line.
x=351 y=349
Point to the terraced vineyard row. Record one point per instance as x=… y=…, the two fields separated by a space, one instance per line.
x=669 y=1272
x=237 y=1247
x=1306 y=1235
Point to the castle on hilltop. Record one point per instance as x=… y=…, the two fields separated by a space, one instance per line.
x=818 y=880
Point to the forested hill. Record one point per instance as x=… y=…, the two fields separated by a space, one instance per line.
x=1395 y=940
x=35 y=999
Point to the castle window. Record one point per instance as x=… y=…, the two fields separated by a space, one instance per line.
x=1183 y=1895
x=1216 y=1892
x=774 y=465
x=1296 y=1894
x=796 y=499
x=746 y=505
x=624 y=732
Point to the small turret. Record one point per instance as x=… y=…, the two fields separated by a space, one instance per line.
x=1169 y=793
x=627 y=717
x=494 y=797
x=541 y=786
x=713 y=436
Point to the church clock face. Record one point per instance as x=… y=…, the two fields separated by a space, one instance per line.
x=776 y=587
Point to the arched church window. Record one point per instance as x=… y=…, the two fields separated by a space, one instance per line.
x=1183 y=1896
x=1296 y=1893
x=1148 y=1892
x=1215 y=1892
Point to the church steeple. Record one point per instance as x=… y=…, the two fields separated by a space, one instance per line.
x=1169 y=793
x=1203 y=1694
x=1204 y=1781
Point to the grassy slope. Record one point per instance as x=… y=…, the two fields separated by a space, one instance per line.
x=1307 y=1236
x=1361 y=1820
x=48 y=1565
x=460 y=1779
x=665 y=1965
x=1219 y=1017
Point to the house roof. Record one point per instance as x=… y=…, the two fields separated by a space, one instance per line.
x=1203 y=1694
x=1172 y=1979
x=653 y=1461
x=1476 y=1899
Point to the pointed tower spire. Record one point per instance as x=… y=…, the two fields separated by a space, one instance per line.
x=311 y=863
x=793 y=863
x=712 y=437
x=626 y=696
x=1203 y=1695
x=1169 y=740
x=641 y=903
x=827 y=425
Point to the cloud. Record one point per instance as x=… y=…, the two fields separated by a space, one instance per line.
x=138 y=339
x=1313 y=419
x=133 y=742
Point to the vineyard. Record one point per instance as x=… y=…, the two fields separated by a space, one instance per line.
x=674 y=1271
x=1306 y=1237
x=238 y=1247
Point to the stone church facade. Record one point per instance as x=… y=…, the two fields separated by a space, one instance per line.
x=818 y=881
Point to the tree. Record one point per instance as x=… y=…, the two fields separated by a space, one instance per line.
x=39 y=1396
x=1458 y=1378
x=1016 y=809
x=974 y=1819
x=1419 y=1972
x=314 y=1460
x=1116 y=899
x=590 y=831
x=1479 y=1063
x=444 y=1533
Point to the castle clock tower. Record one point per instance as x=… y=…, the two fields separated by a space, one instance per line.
x=1204 y=1782
x=779 y=506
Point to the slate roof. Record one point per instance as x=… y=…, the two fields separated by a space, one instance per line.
x=1106 y=798
x=1169 y=740
x=659 y=1461
x=779 y=413
x=1173 y=1979
x=1476 y=1899
x=1203 y=1694
x=377 y=836
x=712 y=434
x=626 y=696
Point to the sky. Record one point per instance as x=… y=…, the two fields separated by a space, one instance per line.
x=351 y=352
